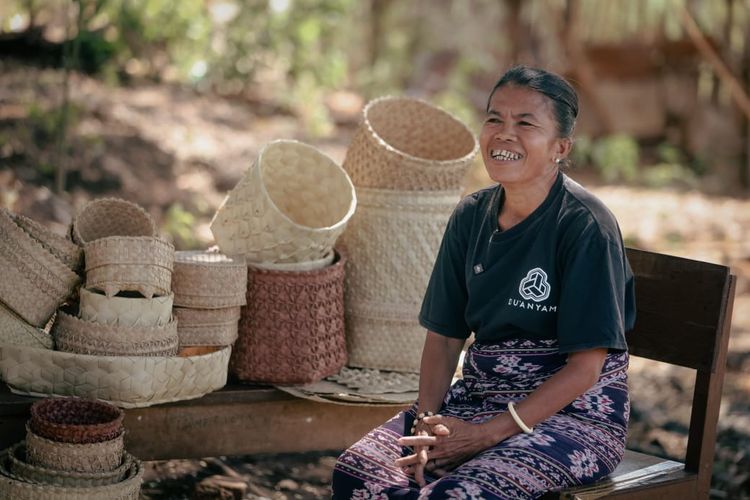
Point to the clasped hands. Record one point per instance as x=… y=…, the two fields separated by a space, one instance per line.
x=440 y=445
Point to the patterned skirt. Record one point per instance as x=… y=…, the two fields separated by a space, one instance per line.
x=580 y=444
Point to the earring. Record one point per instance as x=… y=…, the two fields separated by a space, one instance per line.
x=558 y=161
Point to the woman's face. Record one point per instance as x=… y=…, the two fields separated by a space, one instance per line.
x=519 y=138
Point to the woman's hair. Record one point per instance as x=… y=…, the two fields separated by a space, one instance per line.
x=555 y=87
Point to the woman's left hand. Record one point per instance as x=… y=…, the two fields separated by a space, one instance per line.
x=453 y=443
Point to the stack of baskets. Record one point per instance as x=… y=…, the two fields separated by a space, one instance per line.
x=126 y=305
x=209 y=290
x=407 y=160
x=73 y=449
x=39 y=274
x=284 y=217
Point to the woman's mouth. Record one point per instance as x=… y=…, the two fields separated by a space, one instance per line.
x=505 y=155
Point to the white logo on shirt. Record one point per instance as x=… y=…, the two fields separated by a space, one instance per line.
x=535 y=285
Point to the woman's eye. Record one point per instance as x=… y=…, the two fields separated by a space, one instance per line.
x=526 y=124
x=493 y=120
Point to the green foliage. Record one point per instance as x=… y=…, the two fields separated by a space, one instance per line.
x=179 y=224
x=616 y=157
x=580 y=155
x=669 y=174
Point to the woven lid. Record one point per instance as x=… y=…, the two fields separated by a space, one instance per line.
x=408 y=144
x=61 y=247
x=290 y=206
x=76 y=420
x=209 y=280
x=111 y=217
x=125 y=311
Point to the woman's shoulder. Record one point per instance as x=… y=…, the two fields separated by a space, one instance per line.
x=476 y=202
x=582 y=212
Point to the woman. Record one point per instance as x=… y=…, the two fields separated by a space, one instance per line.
x=536 y=268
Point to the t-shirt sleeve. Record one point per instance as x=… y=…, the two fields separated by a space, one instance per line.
x=444 y=305
x=596 y=296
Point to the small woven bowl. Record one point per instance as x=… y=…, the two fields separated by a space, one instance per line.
x=209 y=280
x=61 y=247
x=129 y=263
x=111 y=217
x=43 y=475
x=75 y=420
x=125 y=311
x=290 y=206
x=207 y=327
x=104 y=456
x=409 y=145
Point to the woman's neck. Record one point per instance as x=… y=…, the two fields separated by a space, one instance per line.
x=521 y=200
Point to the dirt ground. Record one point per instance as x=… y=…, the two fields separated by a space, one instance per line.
x=176 y=152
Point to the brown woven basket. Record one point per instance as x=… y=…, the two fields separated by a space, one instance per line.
x=407 y=144
x=111 y=217
x=207 y=327
x=75 y=420
x=129 y=263
x=104 y=456
x=292 y=329
x=75 y=335
x=209 y=280
x=34 y=281
x=43 y=475
x=61 y=247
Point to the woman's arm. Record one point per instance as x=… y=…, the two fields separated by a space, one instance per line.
x=439 y=360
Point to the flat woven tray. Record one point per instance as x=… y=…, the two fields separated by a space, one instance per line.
x=209 y=280
x=111 y=217
x=76 y=420
x=126 y=381
x=207 y=327
x=14 y=330
x=125 y=311
x=104 y=456
x=61 y=247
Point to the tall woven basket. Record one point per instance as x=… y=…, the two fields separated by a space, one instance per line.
x=387 y=274
x=290 y=206
x=292 y=329
x=408 y=144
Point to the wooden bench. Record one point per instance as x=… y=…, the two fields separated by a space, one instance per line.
x=684 y=311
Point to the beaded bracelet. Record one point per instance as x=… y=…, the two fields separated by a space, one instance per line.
x=525 y=428
x=419 y=418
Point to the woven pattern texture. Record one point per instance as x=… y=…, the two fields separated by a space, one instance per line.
x=406 y=144
x=34 y=281
x=125 y=311
x=207 y=327
x=290 y=206
x=292 y=329
x=14 y=330
x=129 y=263
x=105 y=217
x=128 y=382
x=76 y=420
x=75 y=457
x=61 y=247
x=384 y=343
x=209 y=280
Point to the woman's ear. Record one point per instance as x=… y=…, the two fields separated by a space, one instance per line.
x=563 y=147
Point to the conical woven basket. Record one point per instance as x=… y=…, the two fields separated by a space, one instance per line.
x=104 y=456
x=12 y=487
x=61 y=247
x=292 y=329
x=111 y=217
x=207 y=327
x=34 y=281
x=209 y=280
x=126 y=381
x=14 y=330
x=85 y=337
x=125 y=311
x=129 y=263
x=76 y=420
x=290 y=206
x=24 y=471
x=406 y=144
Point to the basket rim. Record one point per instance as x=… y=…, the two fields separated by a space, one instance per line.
x=15 y=455
x=403 y=154
x=74 y=229
x=312 y=149
x=339 y=260
x=114 y=414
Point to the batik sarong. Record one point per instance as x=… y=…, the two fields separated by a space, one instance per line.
x=578 y=445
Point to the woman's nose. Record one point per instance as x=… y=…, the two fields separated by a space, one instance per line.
x=505 y=132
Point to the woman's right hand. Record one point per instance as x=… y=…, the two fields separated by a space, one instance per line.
x=414 y=464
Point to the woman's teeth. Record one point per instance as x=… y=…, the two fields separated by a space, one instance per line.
x=504 y=154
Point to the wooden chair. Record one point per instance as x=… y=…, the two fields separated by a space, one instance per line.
x=684 y=311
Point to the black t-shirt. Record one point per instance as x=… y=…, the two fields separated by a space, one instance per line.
x=561 y=273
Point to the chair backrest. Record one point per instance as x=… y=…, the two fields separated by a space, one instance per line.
x=684 y=310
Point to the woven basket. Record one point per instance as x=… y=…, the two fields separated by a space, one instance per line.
x=128 y=382
x=406 y=144
x=125 y=311
x=75 y=420
x=209 y=280
x=292 y=329
x=197 y=327
x=309 y=265
x=84 y=337
x=14 y=330
x=290 y=206
x=129 y=263
x=34 y=281
x=61 y=247
x=43 y=475
x=104 y=456
x=111 y=217
x=12 y=487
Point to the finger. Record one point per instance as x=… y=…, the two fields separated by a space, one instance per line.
x=407 y=460
x=422 y=454
x=440 y=472
x=435 y=419
x=413 y=441
x=419 y=476
x=441 y=430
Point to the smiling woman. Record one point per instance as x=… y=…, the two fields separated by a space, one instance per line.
x=536 y=268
